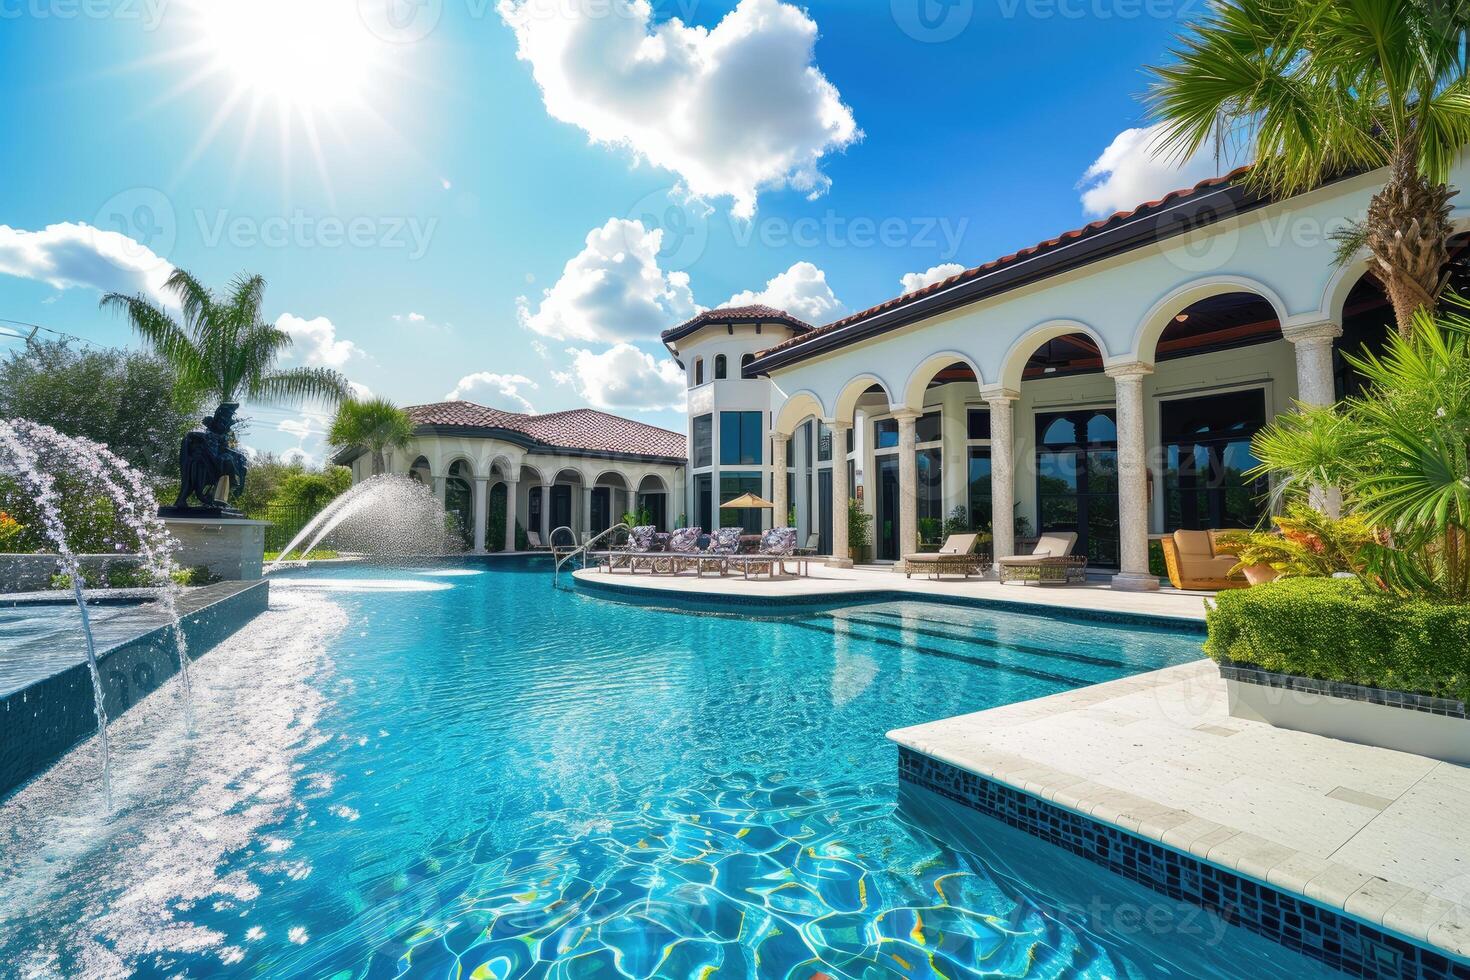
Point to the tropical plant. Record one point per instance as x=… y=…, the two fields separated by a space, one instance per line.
x=642 y=517
x=1328 y=89
x=859 y=526
x=1399 y=452
x=313 y=491
x=1306 y=543
x=222 y=349
x=11 y=531
x=958 y=522
x=374 y=425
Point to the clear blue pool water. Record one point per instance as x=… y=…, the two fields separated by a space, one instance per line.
x=456 y=771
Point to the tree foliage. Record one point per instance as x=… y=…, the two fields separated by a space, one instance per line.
x=222 y=349
x=373 y=425
x=128 y=400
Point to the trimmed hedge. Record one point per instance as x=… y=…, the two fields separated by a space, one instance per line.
x=1339 y=630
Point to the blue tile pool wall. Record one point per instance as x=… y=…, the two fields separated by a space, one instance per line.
x=1341 y=942
x=42 y=722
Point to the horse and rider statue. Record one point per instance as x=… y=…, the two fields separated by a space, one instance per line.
x=211 y=469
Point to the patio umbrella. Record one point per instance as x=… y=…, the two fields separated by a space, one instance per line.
x=748 y=501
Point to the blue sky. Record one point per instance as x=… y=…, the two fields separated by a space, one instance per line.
x=413 y=176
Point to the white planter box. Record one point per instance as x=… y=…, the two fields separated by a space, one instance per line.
x=1431 y=727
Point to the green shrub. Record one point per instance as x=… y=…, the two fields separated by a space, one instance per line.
x=1339 y=630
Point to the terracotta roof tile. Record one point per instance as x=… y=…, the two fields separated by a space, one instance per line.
x=754 y=312
x=580 y=428
x=959 y=277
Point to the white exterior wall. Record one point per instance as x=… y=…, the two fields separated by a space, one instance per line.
x=733 y=394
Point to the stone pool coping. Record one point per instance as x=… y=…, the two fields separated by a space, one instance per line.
x=838 y=586
x=1369 y=834
x=46 y=700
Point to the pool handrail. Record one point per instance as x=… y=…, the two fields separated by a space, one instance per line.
x=581 y=549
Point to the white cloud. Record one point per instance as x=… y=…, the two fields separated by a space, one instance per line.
x=360 y=392
x=409 y=317
x=733 y=109
x=1130 y=173
x=297 y=428
x=624 y=377
x=801 y=290
x=918 y=280
x=612 y=290
x=502 y=391
x=316 y=340
x=72 y=254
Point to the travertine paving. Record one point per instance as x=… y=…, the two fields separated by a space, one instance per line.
x=839 y=582
x=1379 y=834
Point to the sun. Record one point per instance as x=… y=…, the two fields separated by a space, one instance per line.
x=301 y=54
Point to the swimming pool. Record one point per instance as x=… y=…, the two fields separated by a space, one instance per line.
x=457 y=771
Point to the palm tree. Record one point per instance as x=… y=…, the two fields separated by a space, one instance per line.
x=374 y=425
x=1330 y=88
x=223 y=348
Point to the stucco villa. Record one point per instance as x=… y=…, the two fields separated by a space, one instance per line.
x=1107 y=381
x=581 y=469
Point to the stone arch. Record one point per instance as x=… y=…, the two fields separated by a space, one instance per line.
x=457 y=457
x=1345 y=278
x=507 y=467
x=420 y=469
x=660 y=485
x=797 y=407
x=918 y=383
x=532 y=474
x=1014 y=364
x=1162 y=313
x=845 y=409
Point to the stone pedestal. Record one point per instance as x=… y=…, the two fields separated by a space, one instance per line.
x=230 y=547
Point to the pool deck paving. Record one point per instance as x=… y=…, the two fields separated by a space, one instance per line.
x=840 y=583
x=1379 y=835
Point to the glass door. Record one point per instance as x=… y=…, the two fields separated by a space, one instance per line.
x=886 y=531
x=824 y=505
x=1077 y=480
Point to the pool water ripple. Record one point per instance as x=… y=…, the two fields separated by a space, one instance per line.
x=494 y=779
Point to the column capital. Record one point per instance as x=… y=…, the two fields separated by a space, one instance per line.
x=906 y=415
x=838 y=425
x=999 y=393
x=1128 y=370
x=1311 y=331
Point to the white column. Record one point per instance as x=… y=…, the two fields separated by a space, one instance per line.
x=586 y=510
x=778 y=480
x=546 y=514
x=1133 y=478
x=481 y=503
x=1316 y=386
x=841 y=493
x=440 y=485
x=908 y=483
x=1002 y=470
x=512 y=488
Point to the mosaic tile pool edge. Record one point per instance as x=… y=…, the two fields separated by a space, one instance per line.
x=1355 y=948
x=42 y=722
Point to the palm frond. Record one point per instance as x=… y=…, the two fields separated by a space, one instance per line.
x=299 y=384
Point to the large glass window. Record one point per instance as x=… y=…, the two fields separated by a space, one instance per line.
x=977 y=423
x=824 y=442
x=733 y=485
x=740 y=438
x=720 y=367
x=704 y=512
x=1077 y=479
x=981 y=512
x=931 y=493
x=1207 y=450
x=929 y=428
x=885 y=434
x=703 y=441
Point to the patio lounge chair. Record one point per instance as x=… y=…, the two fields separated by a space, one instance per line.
x=1052 y=563
x=534 y=539
x=638 y=546
x=1196 y=561
x=683 y=548
x=955 y=557
x=812 y=546
x=778 y=546
x=724 y=545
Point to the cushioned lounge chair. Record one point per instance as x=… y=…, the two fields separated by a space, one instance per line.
x=534 y=539
x=955 y=557
x=724 y=544
x=639 y=545
x=777 y=549
x=1196 y=561
x=683 y=548
x=1051 y=563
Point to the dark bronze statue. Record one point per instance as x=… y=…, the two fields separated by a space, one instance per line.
x=205 y=458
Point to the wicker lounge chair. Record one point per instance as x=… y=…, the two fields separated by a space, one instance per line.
x=955 y=557
x=724 y=544
x=1196 y=561
x=533 y=538
x=777 y=548
x=683 y=548
x=1052 y=563
x=638 y=546
x=812 y=546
